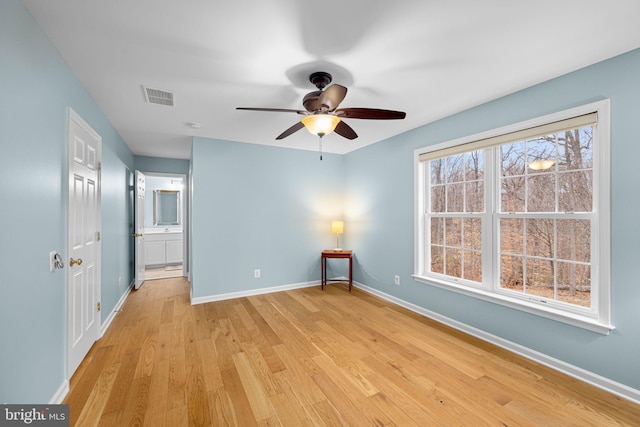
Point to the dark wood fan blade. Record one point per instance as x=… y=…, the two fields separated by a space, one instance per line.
x=276 y=110
x=291 y=130
x=345 y=130
x=370 y=113
x=332 y=96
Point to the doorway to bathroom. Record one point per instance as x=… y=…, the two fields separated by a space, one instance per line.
x=164 y=225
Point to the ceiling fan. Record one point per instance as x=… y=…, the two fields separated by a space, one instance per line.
x=322 y=115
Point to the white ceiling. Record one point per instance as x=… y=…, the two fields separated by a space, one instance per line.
x=430 y=58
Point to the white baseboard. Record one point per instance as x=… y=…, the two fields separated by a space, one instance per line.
x=578 y=373
x=60 y=394
x=241 y=294
x=112 y=315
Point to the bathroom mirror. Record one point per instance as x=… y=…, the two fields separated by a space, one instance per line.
x=166 y=207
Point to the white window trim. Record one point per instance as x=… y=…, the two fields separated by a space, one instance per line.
x=600 y=321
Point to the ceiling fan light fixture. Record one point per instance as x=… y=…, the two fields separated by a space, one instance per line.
x=320 y=124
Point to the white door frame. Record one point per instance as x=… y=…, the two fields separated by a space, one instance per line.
x=91 y=306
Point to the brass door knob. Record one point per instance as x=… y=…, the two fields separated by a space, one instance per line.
x=75 y=261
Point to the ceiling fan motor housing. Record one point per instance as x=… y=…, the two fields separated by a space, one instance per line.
x=320 y=79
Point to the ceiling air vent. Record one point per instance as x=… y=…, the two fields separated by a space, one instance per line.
x=158 y=96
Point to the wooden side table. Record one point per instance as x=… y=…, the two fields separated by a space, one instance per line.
x=331 y=253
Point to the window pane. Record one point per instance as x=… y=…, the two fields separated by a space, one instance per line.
x=474 y=195
x=438 y=199
x=474 y=166
x=454 y=171
x=575 y=148
x=540 y=238
x=513 y=159
x=574 y=283
x=453 y=262
x=473 y=265
x=541 y=154
x=437 y=259
x=512 y=236
x=541 y=193
x=574 y=240
x=437 y=171
x=575 y=191
x=540 y=278
x=512 y=194
x=453 y=232
x=512 y=273
x=455 y=197
x=473 y=233
x=437 y=231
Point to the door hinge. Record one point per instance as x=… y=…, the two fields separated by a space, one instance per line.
x=100 y=166
x=98 y=306
x=99 y=236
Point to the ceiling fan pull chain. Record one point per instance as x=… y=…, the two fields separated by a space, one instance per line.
x=320 y=142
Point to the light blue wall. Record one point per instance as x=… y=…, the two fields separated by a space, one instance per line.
x=161 y=165
x=37 y=88
x=379 y=209
x=260 y=207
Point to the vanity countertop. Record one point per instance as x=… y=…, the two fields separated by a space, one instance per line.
x=162 y=230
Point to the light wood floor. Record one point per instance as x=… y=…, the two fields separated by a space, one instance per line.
x=312 y=358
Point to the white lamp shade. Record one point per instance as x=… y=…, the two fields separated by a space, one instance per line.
x=337 y=227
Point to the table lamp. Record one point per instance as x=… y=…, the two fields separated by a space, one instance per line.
x=338 y=228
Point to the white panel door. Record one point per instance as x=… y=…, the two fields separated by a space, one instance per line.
x=83 y=277
x=139 y=227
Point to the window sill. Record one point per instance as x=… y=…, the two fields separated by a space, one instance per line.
x=548 y=312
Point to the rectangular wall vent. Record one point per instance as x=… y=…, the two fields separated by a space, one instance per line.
x=158 y=96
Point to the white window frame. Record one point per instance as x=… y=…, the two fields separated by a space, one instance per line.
x=598 y=317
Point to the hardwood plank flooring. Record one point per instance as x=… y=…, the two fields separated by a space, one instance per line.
x=309 y=357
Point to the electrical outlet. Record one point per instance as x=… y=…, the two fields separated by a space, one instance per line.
x=396 y=279
x=256 y=273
